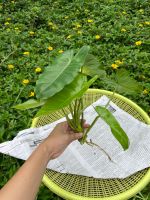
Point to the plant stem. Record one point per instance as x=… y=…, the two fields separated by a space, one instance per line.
x=19 y=95
x=68 y=120
x=78 y=113
x=83 y=139
x=7 y=57
x=110 y=99
x=71 y=110
x=78 y=109
x=94 y=121
x=82 y=115
x=75 y=112
x=80 y=120
x=76 y=117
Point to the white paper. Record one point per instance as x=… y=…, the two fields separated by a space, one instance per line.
x=89 y=160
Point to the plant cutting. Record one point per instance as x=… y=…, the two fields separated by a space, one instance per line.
x=63 y=84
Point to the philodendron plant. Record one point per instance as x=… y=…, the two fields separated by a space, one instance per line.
x=64 y=82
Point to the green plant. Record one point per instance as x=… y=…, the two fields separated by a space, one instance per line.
x=109 y=18
x=64 y=82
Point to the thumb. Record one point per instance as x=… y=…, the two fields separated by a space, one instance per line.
x=77 y=136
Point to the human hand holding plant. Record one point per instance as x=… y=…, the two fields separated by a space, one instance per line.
x=61 y=136
x=64 y=82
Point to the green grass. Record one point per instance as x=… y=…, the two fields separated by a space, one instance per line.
x=120 y=24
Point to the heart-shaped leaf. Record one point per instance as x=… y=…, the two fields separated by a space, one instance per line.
x=59 y=74
x=72 y=91
x=115 y=127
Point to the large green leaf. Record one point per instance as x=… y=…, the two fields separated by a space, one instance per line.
x=62 y=72
x=72 y=91
x=123 y=83
x=32 y=103
x=92 y=67
x=115 y=127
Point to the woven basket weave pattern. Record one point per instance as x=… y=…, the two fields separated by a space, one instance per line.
x=87 y=186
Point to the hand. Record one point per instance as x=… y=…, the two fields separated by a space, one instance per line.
x=60 y=138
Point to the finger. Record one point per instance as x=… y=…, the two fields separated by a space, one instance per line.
x=84 y=122
x=86 y=125
x=64 y=125
x=69 y=128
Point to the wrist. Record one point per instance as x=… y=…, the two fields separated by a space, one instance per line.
x=48 y=149
x=47 y=152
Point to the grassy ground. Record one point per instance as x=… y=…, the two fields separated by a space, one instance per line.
x=33 y=32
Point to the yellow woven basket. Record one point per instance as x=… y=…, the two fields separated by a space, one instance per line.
x=76 y=187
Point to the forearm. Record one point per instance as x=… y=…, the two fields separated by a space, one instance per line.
x=25 y=183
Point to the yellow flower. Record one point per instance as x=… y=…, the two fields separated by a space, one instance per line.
x=97 y=37
x=38 y=69
x=25 y=81
x=69 y=36
x=6 y=23
x=114 y=66
x=26 y=53
x=50 y=23
x=145 y=91
x=138 y=43
x=50 y=48
x=32 y=94
x=10 y=66
x=147 y=23
x=31 y=32
x=124 y=12
x=78 y=26
x=141 y=11
x=90 y=20
x=9 y=19
x=123 y=30
x=140 y=25
x=118 y=62
x=60 y=51
x=54 y=27
x=79 y=32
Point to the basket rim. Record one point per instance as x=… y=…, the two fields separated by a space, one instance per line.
x=125 y=195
